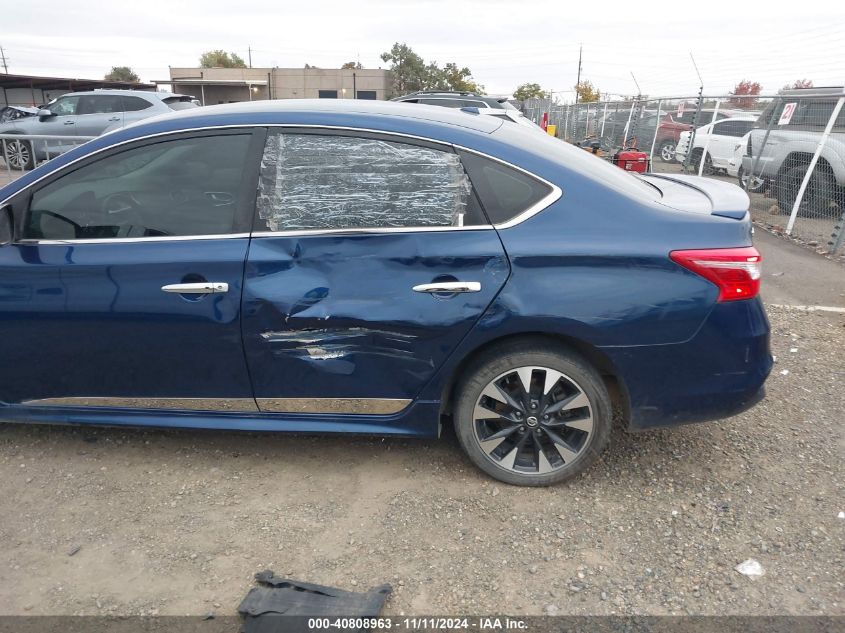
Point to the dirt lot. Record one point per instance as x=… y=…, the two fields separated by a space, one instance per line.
x=170 y=522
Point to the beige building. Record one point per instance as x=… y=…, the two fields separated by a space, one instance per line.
x=225 y=85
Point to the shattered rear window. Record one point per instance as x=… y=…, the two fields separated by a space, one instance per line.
x=310 y=181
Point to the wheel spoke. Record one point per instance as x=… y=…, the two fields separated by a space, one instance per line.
x=543 y=465
x=582 y=424
x=566 y=452
x=491 y=442
x=483 y=412
x=505 y=396
x=576 y=401
x=509 y=460
x=525 y=374
x=552 y=378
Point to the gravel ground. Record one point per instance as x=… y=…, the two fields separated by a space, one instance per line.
x=171 y=522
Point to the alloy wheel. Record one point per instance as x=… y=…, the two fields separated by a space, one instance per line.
x=18 y=154
x=533 y=420
x=667 y=152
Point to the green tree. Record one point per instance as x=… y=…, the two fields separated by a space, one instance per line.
x=221 y=59
x=460 y=79
x=528 y=91
x=122 y=73
x=408 y=69
x=352 y=66
x=586 y=92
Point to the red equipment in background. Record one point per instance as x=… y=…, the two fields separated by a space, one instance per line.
x=631 y=159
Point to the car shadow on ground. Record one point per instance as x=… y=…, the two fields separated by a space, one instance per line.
x=629 y=456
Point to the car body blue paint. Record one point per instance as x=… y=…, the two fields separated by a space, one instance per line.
x=319 y=318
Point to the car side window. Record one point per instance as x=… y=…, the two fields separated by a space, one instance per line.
x=504 y=192
x=99 y=104
x=180 y=187
x=133 y=104
x=64 y=106
x=329 y=182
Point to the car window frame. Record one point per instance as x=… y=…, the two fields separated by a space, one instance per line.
x=244 y=211
x=377 y=135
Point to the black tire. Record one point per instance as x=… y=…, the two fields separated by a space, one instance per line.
x=18 y=154
x=695 y=159
x=820 y=192
x=583 y=429
x=758 y=185
x=666 y=151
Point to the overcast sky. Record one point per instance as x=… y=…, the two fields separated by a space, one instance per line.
x=504 y=43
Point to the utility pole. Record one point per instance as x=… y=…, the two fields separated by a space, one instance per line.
x=3 y=57
x=578 y=81
x=249 y=52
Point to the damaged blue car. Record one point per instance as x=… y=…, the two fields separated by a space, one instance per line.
x=363 y=267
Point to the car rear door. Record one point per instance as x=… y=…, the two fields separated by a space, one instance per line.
x=135 y=109
x=124 y=287
x=98 y=112
x=370 y=260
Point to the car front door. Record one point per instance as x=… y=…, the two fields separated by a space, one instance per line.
x=61 y=123
x=370 y=260
x=123 y=285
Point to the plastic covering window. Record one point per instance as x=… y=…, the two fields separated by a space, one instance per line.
x=341 y=182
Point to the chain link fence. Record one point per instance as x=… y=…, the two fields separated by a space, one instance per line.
x=787 y=150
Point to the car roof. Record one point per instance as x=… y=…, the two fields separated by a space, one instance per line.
x=268 y=112
x=122 y=93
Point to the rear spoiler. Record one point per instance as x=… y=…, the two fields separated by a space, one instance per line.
x=726 y=200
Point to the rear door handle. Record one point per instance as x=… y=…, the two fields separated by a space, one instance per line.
x=449 y=287
x=69 y=122
x=204 y=287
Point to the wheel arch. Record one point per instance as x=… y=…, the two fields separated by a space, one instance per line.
x=599 y=360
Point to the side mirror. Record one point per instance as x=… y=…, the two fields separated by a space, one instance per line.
x=45 y=114
x=7 y=233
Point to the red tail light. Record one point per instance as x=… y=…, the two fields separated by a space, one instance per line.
x=736 y=271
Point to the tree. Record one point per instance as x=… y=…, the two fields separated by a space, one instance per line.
x=528 y=91
x=798 y=84
x=221 y=59
x=352 y=66
x=460 y=79
x=586 y=92
x=408 y=69
x=122 y=73
x=411 y=73
x=744 y=94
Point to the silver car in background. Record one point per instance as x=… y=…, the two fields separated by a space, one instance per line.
x=88 y=113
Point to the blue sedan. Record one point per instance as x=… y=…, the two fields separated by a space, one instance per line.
x=360 y=267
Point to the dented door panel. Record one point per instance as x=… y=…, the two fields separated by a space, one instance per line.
x=336 y=316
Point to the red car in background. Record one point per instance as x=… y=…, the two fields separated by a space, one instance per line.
x=670 y=128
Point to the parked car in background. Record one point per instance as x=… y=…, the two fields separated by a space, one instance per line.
x=88 y=113
x=789 y=148
x=13 y=113
x=369 y=267
x=719 y=138
x=735 y=169
x=450 y=99
x=673 y=125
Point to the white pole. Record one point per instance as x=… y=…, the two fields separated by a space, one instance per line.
x=656 y=128
x=603 y=119
x=628 y=126
x=707 y=140
x=813 y=162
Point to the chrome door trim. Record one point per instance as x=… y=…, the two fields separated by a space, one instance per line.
x=201 y=288
x=533 y=210
x=129 y=240
x=184 y=404
x=449 y=287
x=356 y=406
